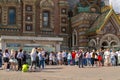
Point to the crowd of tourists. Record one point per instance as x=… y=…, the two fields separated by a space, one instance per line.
x=39 y=58
x=17 y=60
x=93 y=58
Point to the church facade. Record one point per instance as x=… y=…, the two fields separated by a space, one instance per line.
x=58 y=24
x=95 y=26
x=34 y=23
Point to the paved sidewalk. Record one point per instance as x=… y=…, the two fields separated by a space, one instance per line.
x=65 y=73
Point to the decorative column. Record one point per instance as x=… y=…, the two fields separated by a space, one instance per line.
x=97 y=43
x=2 y=45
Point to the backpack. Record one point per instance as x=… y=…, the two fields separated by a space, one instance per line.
x=80 y=55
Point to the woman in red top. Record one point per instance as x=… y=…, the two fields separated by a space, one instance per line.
x=100 y=58
x=73 y=57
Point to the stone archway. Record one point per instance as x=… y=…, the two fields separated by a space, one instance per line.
x=109 y=40
x=113 y=43
x=92 y=42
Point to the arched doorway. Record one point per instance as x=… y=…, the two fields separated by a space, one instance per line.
x=92 y=44
x=109 y=41
x=113 y=43
x=105 y=44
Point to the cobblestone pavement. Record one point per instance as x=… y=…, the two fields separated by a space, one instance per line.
x=65 y=73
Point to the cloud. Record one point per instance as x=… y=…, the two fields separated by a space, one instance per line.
x=116 y=5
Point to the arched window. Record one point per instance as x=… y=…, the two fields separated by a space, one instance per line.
x=74 y=38
x=104 y=44
x=12 y=16
x=46 y=17
x=92 y=43
x=113 y=44
x=47 y=9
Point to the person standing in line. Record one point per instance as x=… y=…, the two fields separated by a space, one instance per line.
x=73 y=57
x=24 y=56
x=88 y=57
x=37 y=58
x=69 y=58
x=76 y=58
x=84 y=58
x=96 y=58
x=116 y=58
x=6 y=57
x=51 y=58
x=92 y=57
x=1 y=58
x=54 y=59
x=113 y=60
x=41 y=58
x=13 y=61
x=80 y=61
x=59 y=57
x=19 y=58
x=107 y=57
x=100 y=58
x=103 y=56
x=43 y=54
x=64 y=57
x=33 y=56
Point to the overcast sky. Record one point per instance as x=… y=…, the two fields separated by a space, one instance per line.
x=116 y=5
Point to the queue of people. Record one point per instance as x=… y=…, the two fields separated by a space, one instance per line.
x=17 y=60
x=86 y=58
x=12 y=60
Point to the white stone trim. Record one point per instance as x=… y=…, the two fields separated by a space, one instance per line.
x=30 y=38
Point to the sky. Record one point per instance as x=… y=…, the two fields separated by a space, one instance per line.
x=115 y=4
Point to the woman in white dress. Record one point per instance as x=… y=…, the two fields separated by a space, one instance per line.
x=107 y=57
x=59 y=57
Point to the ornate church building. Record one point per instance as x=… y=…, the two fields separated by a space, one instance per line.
x=58 y=24
x=34 y=23
x=95 y=25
